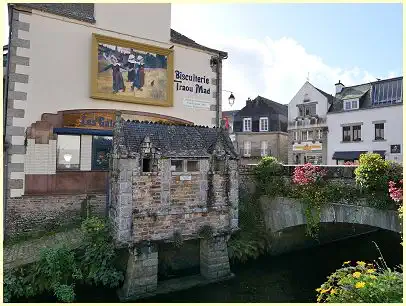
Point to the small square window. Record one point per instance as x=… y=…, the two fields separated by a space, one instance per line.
x=177 y=165
x=146 y=165
x=192 y=166
x=219 y=165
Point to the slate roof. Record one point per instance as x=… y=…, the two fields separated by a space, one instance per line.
x=78 y=11
x=174 y=140
x=277 y=107
x=181 y=39
x=85 y=12
x=363 y=92
x=330 y=98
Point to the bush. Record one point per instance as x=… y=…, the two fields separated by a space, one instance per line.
x=363 y=283
x=59 y=269
x=269 y=177
x=371 y=174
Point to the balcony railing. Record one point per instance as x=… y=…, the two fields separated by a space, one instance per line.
x=306 y=122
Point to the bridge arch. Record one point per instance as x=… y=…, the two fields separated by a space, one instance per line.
x=281 y=213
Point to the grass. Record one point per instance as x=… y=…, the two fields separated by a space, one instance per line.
x=157 y=91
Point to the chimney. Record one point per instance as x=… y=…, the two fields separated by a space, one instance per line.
x=248 y=101
x=339 y=87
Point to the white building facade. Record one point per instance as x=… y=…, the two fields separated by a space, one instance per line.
x=50 y=109
x=307 y=126
x=366 y=118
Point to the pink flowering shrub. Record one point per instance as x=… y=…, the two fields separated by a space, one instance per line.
x=308 y=174
x=396 y=193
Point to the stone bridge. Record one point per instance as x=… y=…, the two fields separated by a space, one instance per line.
x=282 y=213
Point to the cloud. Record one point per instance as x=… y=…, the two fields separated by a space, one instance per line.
x=277 y=69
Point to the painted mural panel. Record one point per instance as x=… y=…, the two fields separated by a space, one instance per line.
x=131 y=72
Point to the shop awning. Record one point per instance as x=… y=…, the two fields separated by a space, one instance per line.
x=347 y=155
x=382 y=153
x=75 y=131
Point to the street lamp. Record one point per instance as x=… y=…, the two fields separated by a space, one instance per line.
x=231 y=99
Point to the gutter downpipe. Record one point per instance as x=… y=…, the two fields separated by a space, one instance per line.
x=220 y=58
x=5 y=106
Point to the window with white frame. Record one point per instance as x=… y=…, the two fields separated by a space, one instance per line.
x=264 y=148
x=263 y=124
x=350 y=104
x=247 y=148
x=247 y=125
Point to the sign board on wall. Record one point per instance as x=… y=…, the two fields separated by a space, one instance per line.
x=198 y=84
x=196 y=104
x=307 y=146
x=104 y=120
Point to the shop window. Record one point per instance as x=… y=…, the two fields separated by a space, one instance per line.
x=101 y=148
x=146 y=165
x=192 y=166
x=177 y=165
x=68 y=152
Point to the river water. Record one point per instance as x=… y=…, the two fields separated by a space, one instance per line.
x=291 y=277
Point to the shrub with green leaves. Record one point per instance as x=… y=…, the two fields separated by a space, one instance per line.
x=60 y=269
x=371 y=174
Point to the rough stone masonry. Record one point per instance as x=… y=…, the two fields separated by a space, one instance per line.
x=169 y=183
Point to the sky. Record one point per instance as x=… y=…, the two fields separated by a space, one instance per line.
x=273 y=48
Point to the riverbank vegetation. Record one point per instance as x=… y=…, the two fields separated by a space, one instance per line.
x=60 y=269
x=311 y=186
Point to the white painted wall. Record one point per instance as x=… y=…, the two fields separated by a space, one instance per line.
x=314 y=95
x=393 y=132
x=150 y=20
x=60 y=59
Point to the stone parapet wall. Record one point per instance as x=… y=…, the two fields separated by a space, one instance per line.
x=30 y=215
x=337 y=171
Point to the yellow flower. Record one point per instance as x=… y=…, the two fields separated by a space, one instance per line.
x=360 y=285
x=361 y=263
x=356 y=274
x=373 y=277
x=325 y=290
x=318 y=289
x=333 y=291
x=371 y=270
x=346 y=262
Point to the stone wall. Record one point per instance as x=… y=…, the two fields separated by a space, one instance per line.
x=31 y=215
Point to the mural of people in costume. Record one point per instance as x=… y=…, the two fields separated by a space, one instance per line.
x=131 y=68
x=139 y=74
x=118 y=82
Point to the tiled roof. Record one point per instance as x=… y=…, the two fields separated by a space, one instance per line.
x=85 y=12
x=175 y=140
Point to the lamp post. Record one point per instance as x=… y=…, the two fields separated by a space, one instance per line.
x=231 y=100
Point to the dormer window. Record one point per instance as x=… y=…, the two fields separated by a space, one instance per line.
x=263 y=124
x=247 y=127
x=351 y=104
